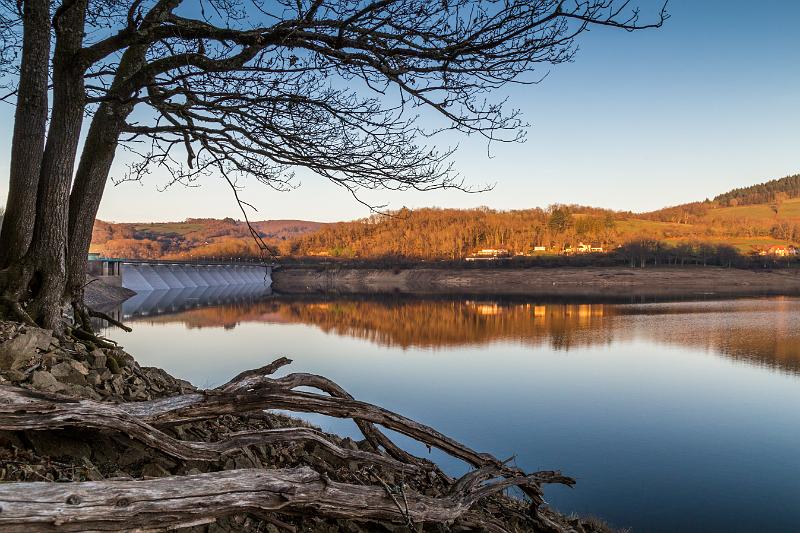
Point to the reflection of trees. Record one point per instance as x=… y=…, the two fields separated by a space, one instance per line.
x=408 y=324
x=226 y=316
x=451 y=323
x=764 y=332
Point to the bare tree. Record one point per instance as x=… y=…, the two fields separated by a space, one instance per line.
x=250 y=88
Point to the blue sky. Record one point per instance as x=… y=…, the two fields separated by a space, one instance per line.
x=640 y=120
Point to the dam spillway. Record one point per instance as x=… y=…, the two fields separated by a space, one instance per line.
x=151 y=276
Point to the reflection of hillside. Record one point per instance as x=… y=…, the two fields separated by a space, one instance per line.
x=453 y=323
x=226 y=316
x=765 y=332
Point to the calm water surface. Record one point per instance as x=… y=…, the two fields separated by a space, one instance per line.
x=672 y=416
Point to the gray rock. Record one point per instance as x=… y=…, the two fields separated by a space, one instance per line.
x=98 y=359
x=61 y=370
x=133 y=456
x=15 y=375
x=79 y=391
x=154 y=470
x=93 y=379
x=117 y=385
x=44 y=381
x=66 y=373
x=80 y=367
x=17 y=352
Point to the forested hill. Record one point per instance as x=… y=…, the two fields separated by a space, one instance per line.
x=761 y=193
x=750 y=218
x=770 y=193
x=192 y=237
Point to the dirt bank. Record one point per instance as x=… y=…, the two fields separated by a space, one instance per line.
x=611 y=282
x=103 y=296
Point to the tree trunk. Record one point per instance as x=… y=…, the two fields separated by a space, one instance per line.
x=47 y=255
x=30 y=123
x=95 y=165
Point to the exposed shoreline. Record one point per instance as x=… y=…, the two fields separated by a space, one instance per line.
x=101 y=296
x=567 y=282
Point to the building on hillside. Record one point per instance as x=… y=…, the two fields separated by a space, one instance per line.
x=488 y=254
x=587 y=248
x=779 y=251
x=539 y=249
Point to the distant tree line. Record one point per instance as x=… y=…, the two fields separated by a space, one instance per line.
x=642 y=253
x=454 y=234
x=691 y=213
x=788 y=187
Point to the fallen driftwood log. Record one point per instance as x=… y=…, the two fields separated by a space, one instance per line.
x=190 y=500
x=185 y=500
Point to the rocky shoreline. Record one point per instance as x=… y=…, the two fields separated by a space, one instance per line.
x=35 y=360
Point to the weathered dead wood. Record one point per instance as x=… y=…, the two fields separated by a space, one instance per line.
x=52 y=413
x=256 y=377
x=182 y=500
x=21 y=409
x=252 y=377
x=257 y=386
x=254 y=391
x=248 y=392
x=266 y=393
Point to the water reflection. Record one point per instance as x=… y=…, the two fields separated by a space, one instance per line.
x=175 y=301
x=669 y=414
x=762 y=331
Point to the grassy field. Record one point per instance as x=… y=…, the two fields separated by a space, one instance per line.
x=760 y=213
x=172 y=228
x=715 y=226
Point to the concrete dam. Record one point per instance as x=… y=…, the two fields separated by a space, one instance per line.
x=143 y=276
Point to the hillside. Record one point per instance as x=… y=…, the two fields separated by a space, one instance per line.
x=193 y=237
x=730 y=219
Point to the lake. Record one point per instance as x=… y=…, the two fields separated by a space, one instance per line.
x=679 y=416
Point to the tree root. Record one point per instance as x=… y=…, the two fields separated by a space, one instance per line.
x=82 y=335
x=109 y=319
x=254 y=378
x=43 y=414
x=13 y=310
x=300 y=490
